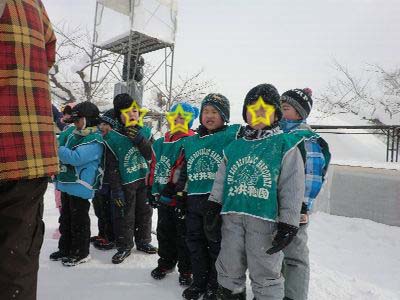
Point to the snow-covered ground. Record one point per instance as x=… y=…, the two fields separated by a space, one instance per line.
x=350 y=259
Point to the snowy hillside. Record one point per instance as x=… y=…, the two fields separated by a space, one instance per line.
x=350 y=259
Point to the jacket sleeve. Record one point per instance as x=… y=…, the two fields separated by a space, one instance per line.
x=112 y=171
x=145 y=148
x=217 y=190
x=181 y=177
x=49 y=37
x=150 y=177
x=291 y=187
x=80 y=155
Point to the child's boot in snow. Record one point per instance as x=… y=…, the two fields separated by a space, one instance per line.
x=193 y=292
x=159 y=273
x=185 y=278
x=225 y=294
x=120 y=256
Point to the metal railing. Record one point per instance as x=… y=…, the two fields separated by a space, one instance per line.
x=391 y=132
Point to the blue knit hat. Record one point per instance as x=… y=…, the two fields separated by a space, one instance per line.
x=187 y=108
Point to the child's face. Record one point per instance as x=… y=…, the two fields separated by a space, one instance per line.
x=133 y=115
x=179 y=120
x=260 y=113
x=211 y=118
x=80 y=123
x=104 y=128
x=289 y=113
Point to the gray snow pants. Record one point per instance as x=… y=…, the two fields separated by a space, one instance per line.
x=245 y=240
x=296 y=266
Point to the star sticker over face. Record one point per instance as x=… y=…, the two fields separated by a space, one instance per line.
x=142 y=113
x=260 y=112
x=176 y=126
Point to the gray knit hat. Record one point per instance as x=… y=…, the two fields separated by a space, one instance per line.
x=300 y=99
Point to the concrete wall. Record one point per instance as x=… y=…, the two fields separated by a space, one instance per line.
x=361 y=192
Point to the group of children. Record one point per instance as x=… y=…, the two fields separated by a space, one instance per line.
x=230 y=198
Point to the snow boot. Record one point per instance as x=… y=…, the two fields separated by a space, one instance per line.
x=95 y=238
x=120 y=256
x=103 y=244
x=146 y=247
x=193 y=292
x=185 y=278
x=211 y=293
x=159 y=273
x=225 y=294
x=73 y=261
x=57 y=256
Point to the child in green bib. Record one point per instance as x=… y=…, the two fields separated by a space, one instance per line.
x=203 y=154
x=127 y=154
x=296 y=106
x=166 y=164
x=260 y=185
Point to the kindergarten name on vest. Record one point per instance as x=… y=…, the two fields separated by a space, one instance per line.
x=203 y=165
x=132 y=161
x=244 y=175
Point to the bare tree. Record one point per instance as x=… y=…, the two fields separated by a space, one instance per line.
x=365 y=96
x=69 y=78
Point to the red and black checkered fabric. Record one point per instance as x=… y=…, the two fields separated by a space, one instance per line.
x=27 y=52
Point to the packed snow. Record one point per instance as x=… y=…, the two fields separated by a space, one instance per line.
x=350 y=259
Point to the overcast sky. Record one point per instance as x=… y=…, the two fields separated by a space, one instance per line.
x=288 y=43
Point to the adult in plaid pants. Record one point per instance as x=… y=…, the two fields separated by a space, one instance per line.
x=27 y=141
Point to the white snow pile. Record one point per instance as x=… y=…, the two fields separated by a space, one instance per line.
x=350 y=259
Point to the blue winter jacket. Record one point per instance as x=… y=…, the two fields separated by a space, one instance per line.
x=315 y=165
x=86 y=159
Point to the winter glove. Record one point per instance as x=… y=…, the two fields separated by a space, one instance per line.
x=283 y=237
x=304 y=214
x=180 y=208
x=168 y=193
x=212 y=221
x=151 y=200
x=118 y=198
x=133 y=133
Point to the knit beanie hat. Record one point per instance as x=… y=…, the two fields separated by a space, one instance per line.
x=220 y=102
x=89 y=111
x=109 y=118
x=121 y=101
x=268 y=93
x=300 y=99
x=187 y=108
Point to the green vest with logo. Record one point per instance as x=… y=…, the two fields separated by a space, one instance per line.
x=132 y=165
x=203 y=156
x=252 y=172
x=71 y=140
x=166 y=154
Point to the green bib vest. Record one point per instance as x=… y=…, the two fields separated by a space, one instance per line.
x=252 y=172
x=68 y=173
x=166 y=154
x=203 y=156
x=132 y=165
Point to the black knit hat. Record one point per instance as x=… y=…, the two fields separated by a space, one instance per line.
x=300 y=99
x=88 y=110
x=121 y=101
x=268 y=93
x=220 y=102
x=109 y=118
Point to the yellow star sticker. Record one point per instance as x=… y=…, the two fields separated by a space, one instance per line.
x=142 y=113
x=260 y=112
x=173 y=115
